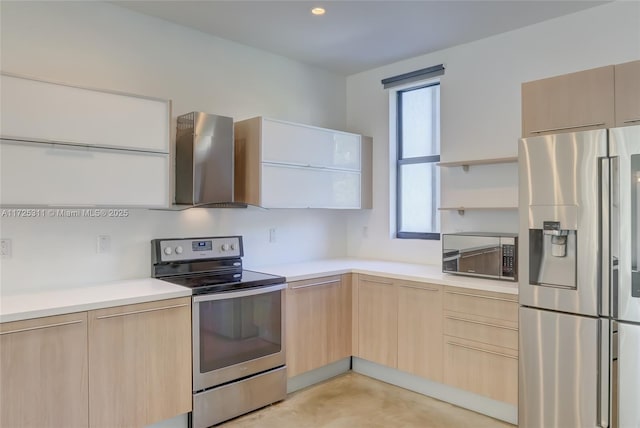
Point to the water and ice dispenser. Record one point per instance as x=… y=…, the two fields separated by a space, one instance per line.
x=552 y=254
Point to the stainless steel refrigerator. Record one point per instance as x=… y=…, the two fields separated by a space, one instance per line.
x=579 y=286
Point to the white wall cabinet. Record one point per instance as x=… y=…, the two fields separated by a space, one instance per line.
x=51 y=174
x=286 y=165
x=65 y=145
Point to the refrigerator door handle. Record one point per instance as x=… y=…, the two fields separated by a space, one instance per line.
x=604 y=393
x=605 y=238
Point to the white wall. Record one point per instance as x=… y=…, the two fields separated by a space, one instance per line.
x=104 y=46
x=480 y=97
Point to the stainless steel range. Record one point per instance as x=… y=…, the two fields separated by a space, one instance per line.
x=238 y=326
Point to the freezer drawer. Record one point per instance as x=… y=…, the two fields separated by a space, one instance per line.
x=627 y=410
x=558 y=370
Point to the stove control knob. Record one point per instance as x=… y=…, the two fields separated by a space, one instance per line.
x=225 y=247
x=178 y=250
x=233 y=247
x=167 y=251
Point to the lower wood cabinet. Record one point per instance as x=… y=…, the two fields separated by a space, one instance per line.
x=420 y=329
x=377 y=322
x=139 y=363
x=481 y=342
x=318 y=323
x=43 y=369
x=461 y=337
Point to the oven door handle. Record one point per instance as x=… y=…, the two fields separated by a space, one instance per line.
x=241 y=293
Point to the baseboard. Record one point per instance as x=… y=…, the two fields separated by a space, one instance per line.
x=318 y=375
x=478 y=403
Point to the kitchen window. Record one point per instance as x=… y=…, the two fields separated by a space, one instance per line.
x=418 y=151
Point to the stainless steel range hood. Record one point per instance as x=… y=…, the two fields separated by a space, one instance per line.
x=204 y=161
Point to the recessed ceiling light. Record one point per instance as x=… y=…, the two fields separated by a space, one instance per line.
x=318 y=11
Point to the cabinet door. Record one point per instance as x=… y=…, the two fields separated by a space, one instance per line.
x=46 y=174
x=33 y=109
x=378 y=320
x=140 y=363
x=301 y=187
x=627 y=81
x=318 y=323
x=420 y=330
x=576 y=101
x=309 y=146
x=43 y=367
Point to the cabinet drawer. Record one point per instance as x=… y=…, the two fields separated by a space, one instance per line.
x=491 y=332
x=482 y=303
x=301 y=187
x=482 y=369
x=52 y=174
x=33 y=109
x=309 y=146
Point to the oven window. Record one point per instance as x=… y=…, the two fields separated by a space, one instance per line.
x=238 y=330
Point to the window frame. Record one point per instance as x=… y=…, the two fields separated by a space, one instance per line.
x=399 y=161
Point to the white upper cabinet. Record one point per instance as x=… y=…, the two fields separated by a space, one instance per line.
x=35 y=174
x=309 y=146
x=41 y=111
x=287 y=165
x=67 y=146
x=287 y=186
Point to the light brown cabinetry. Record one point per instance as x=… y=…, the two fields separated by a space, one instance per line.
x=420 y=329
x=139 y=363
x=570 y=102
x=318 y=323
x=43 y=369
x=627 y=93
x=481 y=342
x=377 y=320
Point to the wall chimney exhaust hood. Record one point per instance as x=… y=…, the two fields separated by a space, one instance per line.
x=204 y=162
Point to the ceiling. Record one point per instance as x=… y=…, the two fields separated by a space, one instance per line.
x=358 y=35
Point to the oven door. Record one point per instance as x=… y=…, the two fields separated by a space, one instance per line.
x=237 y=334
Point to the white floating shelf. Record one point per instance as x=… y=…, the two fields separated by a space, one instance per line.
x=465 y=164
x=461 y=210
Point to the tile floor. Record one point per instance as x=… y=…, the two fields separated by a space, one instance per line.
x=352 y=401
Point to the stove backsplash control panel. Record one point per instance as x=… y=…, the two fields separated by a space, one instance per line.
x=173 y=250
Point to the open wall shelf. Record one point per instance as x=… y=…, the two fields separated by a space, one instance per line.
x=461 y=210
x=465 y=164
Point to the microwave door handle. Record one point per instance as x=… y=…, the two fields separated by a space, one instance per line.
x=241 y=293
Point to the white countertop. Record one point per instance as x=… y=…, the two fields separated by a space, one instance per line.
x=396 y=270
x=36 y=304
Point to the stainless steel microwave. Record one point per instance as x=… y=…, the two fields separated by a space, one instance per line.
x=486 y=255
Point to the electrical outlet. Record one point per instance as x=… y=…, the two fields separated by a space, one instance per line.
x=103 y=244
x=272 y=235
x=5 y=248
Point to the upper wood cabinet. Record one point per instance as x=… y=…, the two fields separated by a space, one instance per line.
x=140 y=363
x=627 y=83
x=570 y=102
x=286 y=165
x=318 y=323
x=43 y=369
x=68 y=146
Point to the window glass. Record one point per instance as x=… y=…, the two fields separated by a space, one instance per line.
x=418 y=180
